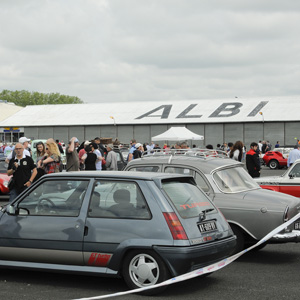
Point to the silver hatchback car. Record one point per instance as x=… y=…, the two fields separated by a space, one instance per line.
x=145 y=227
x=251 y=211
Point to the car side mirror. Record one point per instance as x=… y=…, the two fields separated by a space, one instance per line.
x=292 y=176
x=11 y=210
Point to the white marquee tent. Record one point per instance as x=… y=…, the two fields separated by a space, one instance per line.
x=177 y=134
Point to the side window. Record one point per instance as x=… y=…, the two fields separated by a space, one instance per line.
x=185 y=171
x=145 y=169
x=176 y=170
x=201 y=182
x=55 y=198
x=118 y=199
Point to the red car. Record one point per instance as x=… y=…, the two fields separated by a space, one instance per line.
x=277 y=158
x=4 y=178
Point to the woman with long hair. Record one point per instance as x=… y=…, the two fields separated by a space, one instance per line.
x=51 y=161
x=236 y=152
x=40 y=151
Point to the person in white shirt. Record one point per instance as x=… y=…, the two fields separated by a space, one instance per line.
x=260 y=146
x=293 y=156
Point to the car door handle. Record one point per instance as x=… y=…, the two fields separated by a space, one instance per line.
x=86 y=230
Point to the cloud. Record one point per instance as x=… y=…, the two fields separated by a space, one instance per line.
x=136 y=50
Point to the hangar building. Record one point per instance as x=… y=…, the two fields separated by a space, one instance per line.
x=219 y=120
x=8 y=109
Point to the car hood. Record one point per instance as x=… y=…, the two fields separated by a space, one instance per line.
x=272 y=199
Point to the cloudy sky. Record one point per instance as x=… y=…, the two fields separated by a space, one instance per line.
x=139 y=50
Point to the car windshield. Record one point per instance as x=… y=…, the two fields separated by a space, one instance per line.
x=293 y=172
x=187 y=198
x=233 y=180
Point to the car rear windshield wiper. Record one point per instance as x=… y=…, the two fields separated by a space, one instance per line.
x=202 y=215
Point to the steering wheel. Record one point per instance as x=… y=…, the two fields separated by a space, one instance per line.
x=46 y=207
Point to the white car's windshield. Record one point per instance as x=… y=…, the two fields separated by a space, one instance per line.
x=233 y=180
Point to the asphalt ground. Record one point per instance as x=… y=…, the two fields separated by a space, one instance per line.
x=271 y=273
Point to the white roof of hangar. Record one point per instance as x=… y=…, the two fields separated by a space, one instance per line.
x=8 y=109
x=163 y=112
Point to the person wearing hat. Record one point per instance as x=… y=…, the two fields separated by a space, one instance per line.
x=111 y=159
x=24 y=141
x=72 y=155
x=139 y=150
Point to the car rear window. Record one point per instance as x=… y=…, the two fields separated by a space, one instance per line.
x=233 y=180
x=187 y=198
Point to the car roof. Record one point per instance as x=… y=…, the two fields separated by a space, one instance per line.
x=207 y=165
x=118 y=174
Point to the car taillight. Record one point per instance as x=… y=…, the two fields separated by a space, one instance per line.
x=175 y=226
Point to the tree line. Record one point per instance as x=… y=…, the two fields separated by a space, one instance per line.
x=24 y=98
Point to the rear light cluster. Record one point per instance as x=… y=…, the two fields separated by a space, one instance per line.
x=175 y=226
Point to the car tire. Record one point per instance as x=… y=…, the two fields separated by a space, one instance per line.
x=273 y=164
x=240 y=239
x=144 y=268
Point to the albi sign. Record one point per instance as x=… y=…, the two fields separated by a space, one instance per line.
x=225 y=110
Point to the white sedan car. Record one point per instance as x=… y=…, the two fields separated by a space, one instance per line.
x=288 y=183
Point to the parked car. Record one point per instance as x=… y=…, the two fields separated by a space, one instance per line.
x=251 y=211
x=121 y=161
x=288 y=183
x=145 y=227
x=124 y=152
x=276 y=158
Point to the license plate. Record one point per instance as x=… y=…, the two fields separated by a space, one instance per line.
x=297 y=225
x=207 y=226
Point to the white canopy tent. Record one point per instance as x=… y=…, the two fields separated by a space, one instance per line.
x=177 y=134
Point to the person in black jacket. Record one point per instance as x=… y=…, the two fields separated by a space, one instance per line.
x=139 y=150
x=252 y=161
x=23 y=171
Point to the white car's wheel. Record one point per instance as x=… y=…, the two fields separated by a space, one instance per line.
x=144 y=268
x=273 y=164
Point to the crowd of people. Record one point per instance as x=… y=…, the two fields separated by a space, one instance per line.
x=93 y=155
x=90 y=155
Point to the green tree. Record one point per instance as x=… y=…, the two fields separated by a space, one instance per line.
x=24 y=98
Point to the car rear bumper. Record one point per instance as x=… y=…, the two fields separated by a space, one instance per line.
x=181 y=260
x=293 y=236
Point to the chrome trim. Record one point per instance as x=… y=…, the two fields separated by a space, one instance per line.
x=285 y=214
x=287 y=235
x=55 y=267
